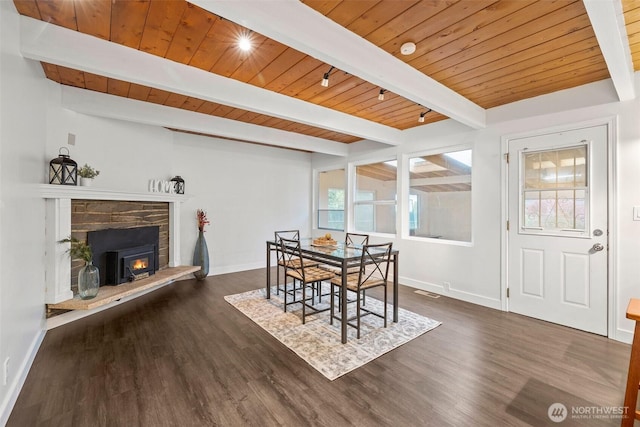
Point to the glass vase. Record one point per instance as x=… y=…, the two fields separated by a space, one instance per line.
x=201 y=257
x=88 y=281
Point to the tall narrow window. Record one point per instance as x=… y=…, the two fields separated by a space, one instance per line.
x=374 y=207
x=440 y=196
x=331 y=199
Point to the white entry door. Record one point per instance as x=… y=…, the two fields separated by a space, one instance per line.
x=557 y=238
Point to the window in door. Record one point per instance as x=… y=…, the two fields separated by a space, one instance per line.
x=374 y=207
x=331 y=200
x=554 y=191
x=440 y=195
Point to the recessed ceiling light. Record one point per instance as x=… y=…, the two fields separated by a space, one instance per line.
x=244 y=43
x=408 y=48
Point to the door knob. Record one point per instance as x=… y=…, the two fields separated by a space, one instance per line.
x=597 y=247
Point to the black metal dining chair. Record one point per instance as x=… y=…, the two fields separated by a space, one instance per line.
x=372 y=272
x=292 y=235
x=309 y=278
x=354 y=240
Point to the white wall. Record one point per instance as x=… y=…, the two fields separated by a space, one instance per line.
x=22 y=162
x=126 y=154
x=474 y=271
x=248 y=192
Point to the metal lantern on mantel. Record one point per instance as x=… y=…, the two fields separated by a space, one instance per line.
x=63 y=170
x=178 y=184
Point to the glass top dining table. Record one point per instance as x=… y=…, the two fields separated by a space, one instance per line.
x=343 y=257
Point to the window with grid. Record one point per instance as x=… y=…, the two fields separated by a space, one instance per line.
x=554 y=190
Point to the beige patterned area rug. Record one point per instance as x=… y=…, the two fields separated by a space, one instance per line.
x=318 y=342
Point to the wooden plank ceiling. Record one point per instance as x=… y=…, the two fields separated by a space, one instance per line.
x=631 y=9
x=491 y=52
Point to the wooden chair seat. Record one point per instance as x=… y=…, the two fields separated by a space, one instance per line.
x=352 y=282
x=295 y=263
x=311 y=274
x=338 y=271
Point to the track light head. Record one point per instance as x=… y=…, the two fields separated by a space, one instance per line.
x=325 y=78
x=424 y=113
x=381 y=95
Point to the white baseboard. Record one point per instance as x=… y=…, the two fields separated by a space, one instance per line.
x=18 y=381
x=453 y=293
x=236 y=268
x=623 y=335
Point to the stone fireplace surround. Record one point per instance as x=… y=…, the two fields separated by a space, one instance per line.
x=58 y=226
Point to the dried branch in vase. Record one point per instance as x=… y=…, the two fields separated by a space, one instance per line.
x=202 y=219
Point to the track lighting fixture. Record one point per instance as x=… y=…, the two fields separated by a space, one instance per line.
x=424 y=113
x=381 y=95
x=325 y=79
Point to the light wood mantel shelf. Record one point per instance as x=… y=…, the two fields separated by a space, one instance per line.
x=108 y=294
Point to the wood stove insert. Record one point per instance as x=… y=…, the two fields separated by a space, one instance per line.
x=123 y=254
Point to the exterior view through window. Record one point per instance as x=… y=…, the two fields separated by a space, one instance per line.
x=331 y=199
x=554 y=190
x=440 y=196
x=374 y=207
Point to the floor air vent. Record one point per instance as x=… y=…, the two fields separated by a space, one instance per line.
x=427 y=294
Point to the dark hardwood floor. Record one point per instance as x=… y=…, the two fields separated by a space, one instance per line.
x=182 y=356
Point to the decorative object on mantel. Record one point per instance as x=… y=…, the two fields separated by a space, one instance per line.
x=87 y=174
x=89 y=275
x=63 y=170
x=178 y=184
x=161 y=186
x=201 y=252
